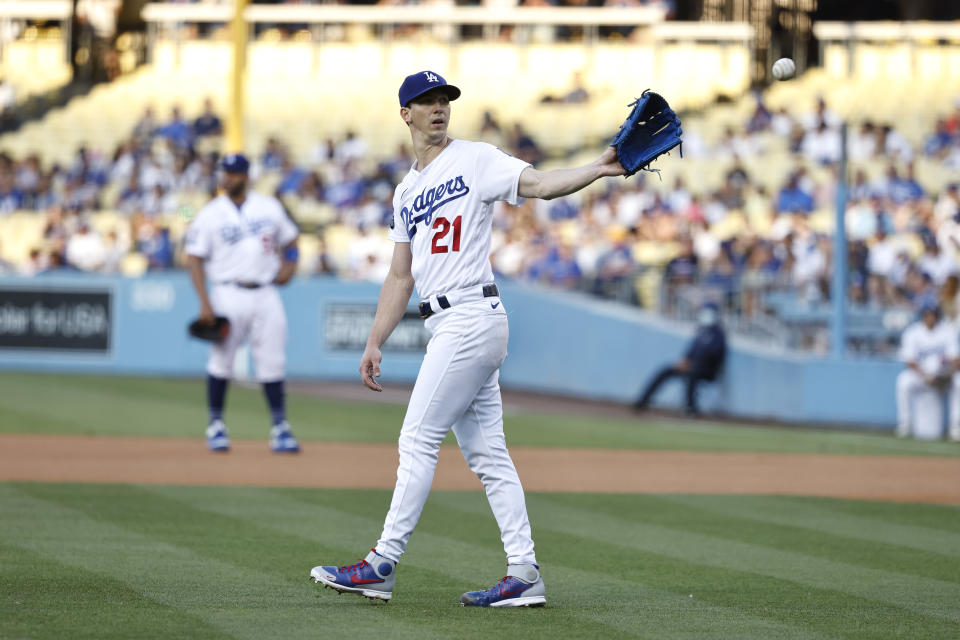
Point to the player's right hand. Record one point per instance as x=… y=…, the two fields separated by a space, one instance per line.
x=370 y=368
x=207 y=316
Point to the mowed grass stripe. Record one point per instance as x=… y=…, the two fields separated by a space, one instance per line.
x=606 y=519
x=424 y=588
x=817 y=544
x=583 y=601
x=227 y=596
x=819 y=518
x=41 y=597
x=431 y=576
x=38 y=403
x=45 y=403
x=665 y=565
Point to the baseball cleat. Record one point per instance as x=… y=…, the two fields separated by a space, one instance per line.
x=373 y=577
x=282 y=439
x=521 y=587
x=217 y=439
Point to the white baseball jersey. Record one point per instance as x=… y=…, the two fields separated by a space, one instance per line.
x=929 y=349
x=445 y=212
x=240 y=244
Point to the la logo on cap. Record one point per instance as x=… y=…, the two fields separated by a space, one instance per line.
x=431 y=77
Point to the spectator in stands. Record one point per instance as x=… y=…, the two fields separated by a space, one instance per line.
x=761 y=118
x=894 y=144
x=810 y=263
x=177 y=130
x=490 y=130
x=350 y=149
x=292 y=177
x=720 y=280
x=36 y=263
x=322 y=152
x=902 y=189
x=822 y=144
x=85 y=249
x=524 y=146
x=207 y=124
x=782 y=123
x=680 y=271
x=822 y=114
x=577 y=94
x=615 y=265
x=274 y=155
x=144 y=129
x=114 y=251
x=935 y=263
x=862 y=143
x=153 y=241
x=56 y=262
x=11 y=197
x=703 y=360
x=792 y=198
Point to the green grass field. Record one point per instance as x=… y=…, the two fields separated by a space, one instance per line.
x=125 y=561
x=36 y=403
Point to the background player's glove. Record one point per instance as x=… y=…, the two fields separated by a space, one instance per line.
x=651 y=130
x=215 y=332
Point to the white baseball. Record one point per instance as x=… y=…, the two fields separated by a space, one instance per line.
x=783 y=69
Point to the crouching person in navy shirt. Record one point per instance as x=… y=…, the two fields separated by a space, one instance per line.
x=703 y=360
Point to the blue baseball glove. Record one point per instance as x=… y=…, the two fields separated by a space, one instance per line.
x=651 y=130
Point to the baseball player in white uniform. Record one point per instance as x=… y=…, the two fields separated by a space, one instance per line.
x=931 y=352
x=441 y=227
x=245 y=244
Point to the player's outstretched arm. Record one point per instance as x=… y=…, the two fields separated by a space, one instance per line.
x=394 y=297
x=560 y=182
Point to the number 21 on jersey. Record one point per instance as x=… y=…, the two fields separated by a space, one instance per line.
x=442 y=227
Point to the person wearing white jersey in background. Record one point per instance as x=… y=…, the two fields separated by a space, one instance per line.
x=442 y=216
x=931 y=352
x=245 y=244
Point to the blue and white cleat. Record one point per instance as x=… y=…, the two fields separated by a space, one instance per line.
x=521 y=587
x=217 y=439
x=373 y=577
x=282 y=439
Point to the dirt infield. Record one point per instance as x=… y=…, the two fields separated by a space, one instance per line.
x=342 y=465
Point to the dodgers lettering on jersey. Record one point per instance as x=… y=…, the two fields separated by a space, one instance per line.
x=429 y=201
x=240 y=245
x=445 y=212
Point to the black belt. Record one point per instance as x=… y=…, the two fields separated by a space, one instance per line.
x=244 y=285
x=489 y=291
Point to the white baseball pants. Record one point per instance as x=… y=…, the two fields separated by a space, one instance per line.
x=458 y=388
x=256 y=315
x=909 y=383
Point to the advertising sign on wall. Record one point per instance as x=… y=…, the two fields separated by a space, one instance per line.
x=55 y=320
x=348 y=326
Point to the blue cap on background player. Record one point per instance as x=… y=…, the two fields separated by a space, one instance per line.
x=235 y=163
x=419 y=83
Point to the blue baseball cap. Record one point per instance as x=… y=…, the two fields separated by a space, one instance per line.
x=419 y=83
x=235 y=163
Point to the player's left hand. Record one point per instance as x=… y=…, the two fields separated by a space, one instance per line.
x=370 y=368
x=608 y=164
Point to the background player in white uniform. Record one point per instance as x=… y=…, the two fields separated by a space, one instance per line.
x=244 y=243
x=931 y=351
x=441 y=227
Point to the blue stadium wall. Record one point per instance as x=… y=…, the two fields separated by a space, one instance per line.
x=560 y=343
